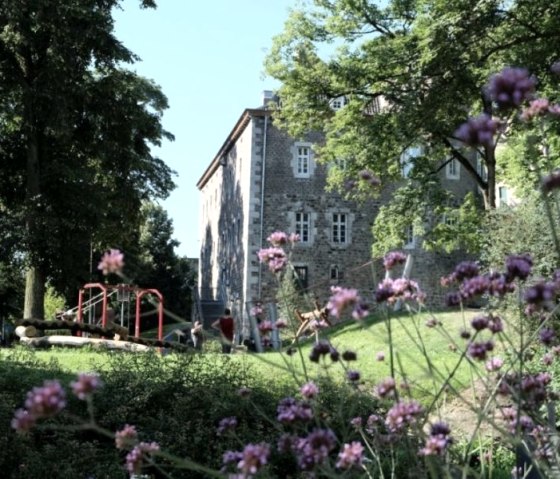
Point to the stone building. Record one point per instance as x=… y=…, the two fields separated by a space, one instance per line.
x=261 y=181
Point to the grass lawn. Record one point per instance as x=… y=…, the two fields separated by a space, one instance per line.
x=413 y=343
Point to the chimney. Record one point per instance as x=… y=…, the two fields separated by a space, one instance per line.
x=267 y=97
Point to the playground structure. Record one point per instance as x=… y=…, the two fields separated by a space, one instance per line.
x=88 y=318
x=123 y=296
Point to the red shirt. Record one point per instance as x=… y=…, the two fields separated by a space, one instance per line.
x=226 y=327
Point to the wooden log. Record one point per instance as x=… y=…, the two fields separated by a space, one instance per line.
x=75 y=341
x=26 y=331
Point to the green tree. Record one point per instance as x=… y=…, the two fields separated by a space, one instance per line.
x=157 y=264
x=75 y=136
x=412 y=71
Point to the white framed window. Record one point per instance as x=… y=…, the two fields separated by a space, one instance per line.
x=453 y=169
x=302 y=160
x=339 y=228
x=303 y=227
x=503 y=195
x=338 y=102
x=303 y=154
x=409 y=239
x=481 y=168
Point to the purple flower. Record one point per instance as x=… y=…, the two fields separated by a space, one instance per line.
x=343 y=298
x=479 y=349
x=494 y=364
x=85 y=385
x=226 y=424
x=548 y=359
x=315 y=448
x=278 y=238
x=257 y=310
x=265 y=327
x=478 y=131
x=541 y=295
x=46 y=401
x=275 y=258
x=294 y=238
x=289 y=411
x=511 y=87
x=126 y=437
x=518 y=266
x=23 y=421
x=391 y=290
x=476 y=286
x=386 y=388
x=353 y=376
x=309 y=390
x=547 y=336
x=453 y=299
x=244 y=392
x=538 y=107
x=253 y=458
x=392 y=259
x=480 y=323
x=137 y=456
x=351 y=455
x=380 y=356
x=356 y=422
x=321 y=348
x=499 y=285
x=438 y=440
x=403 y=414
x=111 y=262
x=495 y=324
x=281 y=323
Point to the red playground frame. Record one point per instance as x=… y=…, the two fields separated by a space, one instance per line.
x=105 y=288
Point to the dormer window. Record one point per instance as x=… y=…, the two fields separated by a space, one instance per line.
x=453 y=169
x=338 y=102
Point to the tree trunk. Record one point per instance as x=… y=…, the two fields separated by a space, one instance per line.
x=34 y=305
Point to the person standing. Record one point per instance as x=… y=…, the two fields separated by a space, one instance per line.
x=197 y=335
x=225 y=325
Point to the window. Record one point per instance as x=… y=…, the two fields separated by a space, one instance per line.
x=449 y=220
x=302 y=227
x=338 y=103
x=340 y=163
x=503 y=195
x=300 y=277
x=452 y=169
x=481 y=168
x=303 y=154
x=339 y=228
x=335 y=273
x=409 y=240
x=407 y=159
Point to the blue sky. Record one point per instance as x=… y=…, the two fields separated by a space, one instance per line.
x=207 y=56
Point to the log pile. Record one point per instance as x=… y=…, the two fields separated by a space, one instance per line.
x=111 y=337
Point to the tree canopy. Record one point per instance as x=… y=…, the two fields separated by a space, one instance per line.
x=411 y=71
x=76 y=130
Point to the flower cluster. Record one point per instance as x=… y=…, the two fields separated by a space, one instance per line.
x=342 y=298
x=85 y=385
x=403 y=414
x=226 y=424
x=351 y=455
x=126 y=437
x=478 y=131
x=393 y=290
x=42 y=402
x=142 y=452
x=275 y=258
x=539 y=108
x=438 y=440
x=111 y=262
x=511 y=87
x=309 y=390
x=290 y=410
x=392 y=259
